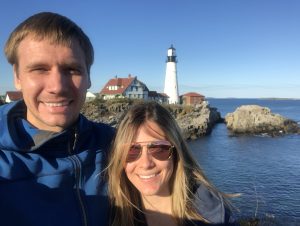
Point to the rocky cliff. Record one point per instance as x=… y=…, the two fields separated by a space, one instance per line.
x=195 y=121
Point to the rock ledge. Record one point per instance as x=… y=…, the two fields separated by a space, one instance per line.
x=195 y=121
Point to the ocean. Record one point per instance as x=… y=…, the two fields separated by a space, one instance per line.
x=265 y=170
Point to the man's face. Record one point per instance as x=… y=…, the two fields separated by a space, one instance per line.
x=54 y=81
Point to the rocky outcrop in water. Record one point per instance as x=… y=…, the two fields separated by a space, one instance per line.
x=195 y=121
x=198 y=120
x=254 y=119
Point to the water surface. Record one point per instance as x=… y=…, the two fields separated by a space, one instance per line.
x=265 y=170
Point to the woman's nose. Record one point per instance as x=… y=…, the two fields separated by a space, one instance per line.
x=146 y=159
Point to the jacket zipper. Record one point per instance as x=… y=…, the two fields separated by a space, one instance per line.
x=77 y=167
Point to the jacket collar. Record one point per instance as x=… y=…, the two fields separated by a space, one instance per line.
x=17 y=134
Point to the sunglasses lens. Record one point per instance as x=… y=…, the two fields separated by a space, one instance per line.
x=161 y=152
x=134 y=153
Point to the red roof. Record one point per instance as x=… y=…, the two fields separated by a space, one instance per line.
x=192 y=94
x=14 y=95
x=121 y=83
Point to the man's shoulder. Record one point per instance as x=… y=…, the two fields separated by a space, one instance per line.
x=95 y=125
x=97 y=129
x=6 y=107
x=103 y=128
x=14 y=108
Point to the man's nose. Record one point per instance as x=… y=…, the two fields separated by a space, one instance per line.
x=57 y=81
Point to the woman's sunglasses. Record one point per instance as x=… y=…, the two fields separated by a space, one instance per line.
x=160 y=150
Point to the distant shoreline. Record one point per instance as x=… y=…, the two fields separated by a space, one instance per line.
x=253 y=98
x=224 y=98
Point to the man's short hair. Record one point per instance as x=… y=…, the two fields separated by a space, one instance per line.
x=56 y=28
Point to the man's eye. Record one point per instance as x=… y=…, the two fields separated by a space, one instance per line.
x=74 y=71
x=39 y=70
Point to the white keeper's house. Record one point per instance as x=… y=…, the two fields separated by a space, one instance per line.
x=131 y=88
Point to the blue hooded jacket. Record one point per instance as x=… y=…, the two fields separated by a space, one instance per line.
x=49 y=178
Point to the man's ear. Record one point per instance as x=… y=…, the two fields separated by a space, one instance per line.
x=17 y=81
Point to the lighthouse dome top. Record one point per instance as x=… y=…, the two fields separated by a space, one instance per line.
x=172 y=51
x=172 y=47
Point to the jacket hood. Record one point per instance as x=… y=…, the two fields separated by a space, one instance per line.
x=17 y=134
x=10 y=120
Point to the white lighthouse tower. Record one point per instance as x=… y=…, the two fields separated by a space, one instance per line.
x=171 y=84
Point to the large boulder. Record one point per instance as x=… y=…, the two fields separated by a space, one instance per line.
x=254 y=119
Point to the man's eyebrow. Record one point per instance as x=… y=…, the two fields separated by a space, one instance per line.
x=72 y=63
x=36 y=64
x=63 y=65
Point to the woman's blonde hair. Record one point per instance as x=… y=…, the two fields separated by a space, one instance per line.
x=53 y=27
x=125 y=198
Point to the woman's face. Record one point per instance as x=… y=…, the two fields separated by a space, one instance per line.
x=148 y=174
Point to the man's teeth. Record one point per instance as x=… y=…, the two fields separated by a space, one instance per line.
x=57 y=104
x=147 y=177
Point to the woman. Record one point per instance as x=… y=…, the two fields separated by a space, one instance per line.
x=153 y=178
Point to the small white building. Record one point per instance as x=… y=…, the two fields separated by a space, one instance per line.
x=89 y=96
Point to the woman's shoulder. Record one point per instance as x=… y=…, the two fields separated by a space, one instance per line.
x=211 y=205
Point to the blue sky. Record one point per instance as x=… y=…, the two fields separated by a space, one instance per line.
x=225 y=48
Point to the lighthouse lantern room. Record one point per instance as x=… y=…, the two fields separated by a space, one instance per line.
x=171 y=84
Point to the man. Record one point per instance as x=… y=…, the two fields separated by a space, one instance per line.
x=51 y=157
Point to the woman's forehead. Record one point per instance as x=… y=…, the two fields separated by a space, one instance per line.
x=151 y=129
